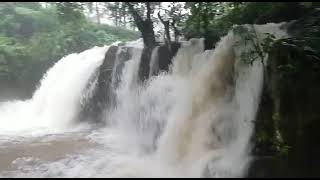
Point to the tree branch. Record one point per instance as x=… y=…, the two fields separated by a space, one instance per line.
x=137 y=18
x=148 y=10
x=162 y=21
x=167 y=30
x=175 y=29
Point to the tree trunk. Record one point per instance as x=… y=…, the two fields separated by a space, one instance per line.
x=146 y=29
x=199 y=17
x=167 y=31
x=98 y=13
x=124 y=16
x=144 y=26
x=205 y=19
x=89 y=6
x=175 y=30
x=117 y=13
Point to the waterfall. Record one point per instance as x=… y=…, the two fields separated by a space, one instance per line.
x=195 y=120
x=55 y=103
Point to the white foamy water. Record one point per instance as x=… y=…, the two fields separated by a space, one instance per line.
x=55 y=103
x=194 y=121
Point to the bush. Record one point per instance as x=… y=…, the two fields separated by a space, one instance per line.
x=33 y=38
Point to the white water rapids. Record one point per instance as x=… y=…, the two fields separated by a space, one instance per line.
x=194 y=121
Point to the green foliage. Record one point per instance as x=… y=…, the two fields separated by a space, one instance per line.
x=280 y=146
x=300 y=55
x=219 y=17
x=201 y=15
x=32 y=38
x=70 y=12
x=249 y=37
x=262 y=137
x=11 y=59
x=119 y=13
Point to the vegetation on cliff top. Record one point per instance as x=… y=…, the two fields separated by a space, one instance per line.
x=32 y=38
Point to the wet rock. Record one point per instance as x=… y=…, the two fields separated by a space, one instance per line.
x=288 y=120
x=165 y=56
x=92 y=109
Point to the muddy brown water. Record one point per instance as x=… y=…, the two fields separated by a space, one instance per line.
x=48 y=148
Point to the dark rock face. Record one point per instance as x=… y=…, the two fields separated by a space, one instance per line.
x=108 y=76
x=211 y=38
x=124 y=54
x=270 y=167
x=297 y=101
x=165 y=56
x=288 y=121
x=304 y=26
x=94 y=107
x=144 y=67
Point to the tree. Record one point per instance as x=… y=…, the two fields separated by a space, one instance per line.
x=97 y=13
x=166 y=24
x=175 y=17
x=70 y=11
x=115 y=9
x=33 y=37
x=90 y=6
x=143 y=20
x=178 y=18
x=145 y=25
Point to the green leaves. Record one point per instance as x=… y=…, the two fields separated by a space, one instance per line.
x=268 y=42
x=33 y=38
x=249 y=56
x=257 y=50
x=204 y=16
x=70 y=12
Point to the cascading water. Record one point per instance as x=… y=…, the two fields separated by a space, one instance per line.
x=55 y=103
x=194 y=121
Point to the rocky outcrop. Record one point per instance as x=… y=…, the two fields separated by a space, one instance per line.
x=94 y=106
x=165 y=56
x=107 y=77
x=124 y=54
x=144 y=67
x=288 y=121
